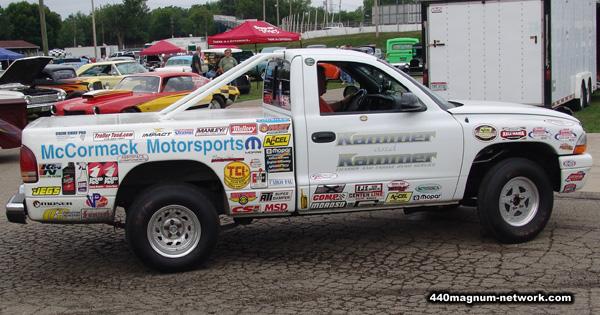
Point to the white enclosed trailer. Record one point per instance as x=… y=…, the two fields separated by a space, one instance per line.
x=539 y=52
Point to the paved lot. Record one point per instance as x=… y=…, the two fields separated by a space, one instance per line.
x=360 y=263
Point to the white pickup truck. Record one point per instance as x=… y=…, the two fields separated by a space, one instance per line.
x=394 y=145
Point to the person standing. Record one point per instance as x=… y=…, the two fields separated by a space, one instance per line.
x=197 y=61
x=226 y=63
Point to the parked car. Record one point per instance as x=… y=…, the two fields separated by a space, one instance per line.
x=177 y=63
x=65 y=78
x=13 y=118
x=110 y=72
x=259 y=70
x=152 y=62
x=20 y=76
x=74 y=63
x=145 y=92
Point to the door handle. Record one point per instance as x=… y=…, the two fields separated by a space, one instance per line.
x=323 y=137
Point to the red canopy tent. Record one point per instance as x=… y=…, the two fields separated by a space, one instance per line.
x=254 y=32
x=162 y=47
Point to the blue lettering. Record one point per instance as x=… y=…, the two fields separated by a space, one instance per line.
x=48 y=154
x=67 y=151
x=239 y=144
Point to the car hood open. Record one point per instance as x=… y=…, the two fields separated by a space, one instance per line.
x=24 y=70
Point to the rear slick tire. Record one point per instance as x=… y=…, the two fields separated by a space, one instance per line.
x=515 y=200
x=172 y=227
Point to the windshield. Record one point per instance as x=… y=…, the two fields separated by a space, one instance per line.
x=130 y=68
x=443 y=103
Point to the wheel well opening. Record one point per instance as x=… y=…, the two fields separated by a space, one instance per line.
x=540 y=153
x=193 y=172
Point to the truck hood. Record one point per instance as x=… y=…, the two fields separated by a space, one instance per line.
x=24 y=70
x=499 y=108
x=151 y=119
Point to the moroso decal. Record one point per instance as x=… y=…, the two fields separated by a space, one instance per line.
x=328 y=205
x=485 y=133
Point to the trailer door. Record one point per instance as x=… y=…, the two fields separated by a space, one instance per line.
x=492 y=50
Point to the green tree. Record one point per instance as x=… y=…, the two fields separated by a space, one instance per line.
x=25 y=21
x=127 y=22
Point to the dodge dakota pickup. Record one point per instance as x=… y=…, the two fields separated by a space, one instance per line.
x=393 y=144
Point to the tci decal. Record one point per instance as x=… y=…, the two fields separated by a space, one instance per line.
x=237 y=175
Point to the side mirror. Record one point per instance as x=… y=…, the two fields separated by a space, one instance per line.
x=410 y=103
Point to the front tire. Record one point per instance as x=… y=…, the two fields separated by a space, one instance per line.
x=218 y=102
x=172 y=227
x=515 y=200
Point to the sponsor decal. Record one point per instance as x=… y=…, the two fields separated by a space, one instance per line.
x=368 y=188
x=216 y=158
x=95 y=214
x=328 y=205
x=398 y=185
x=349 y=160
x=428 y=188
x=70 y=135
x=59 y=214
x=96 y=201
x=243 y=198
x=281 y=182
x=237 y=175
x=565 y=135
x=71 y=150
x=276 y=128
x=559 y=122
x=398 y=197
x=211 y=131
x=53 y=170
x=243 y=129
x=330 y=197
x=569 y=163
x=539 y=133
x=325 y=189
x=365 y=195
x=485 y=133
x=351 y=139
x=246 y=209
x=272 y=120
x=103 y=175
x=278 y=160
x=184 y=132
x=206 y=146
x=277 y=140
x=323 y=176
x=114 y=135
x=576 y=177
x=566 y=147
x=258 y=179
x=46 y=191
x=285 y=195
x=81 y=179
x=276 y=207
x=157 y=133
x=426 y=197
x=513 y=133
x=253 y=143
x=132 y=158
x=569 y=188
x=38 y=204
x=368 y=203
x=255 y=163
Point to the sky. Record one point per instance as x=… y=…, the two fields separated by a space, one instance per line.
x=68 y=7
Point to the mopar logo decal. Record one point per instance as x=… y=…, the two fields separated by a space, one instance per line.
x=253 y=143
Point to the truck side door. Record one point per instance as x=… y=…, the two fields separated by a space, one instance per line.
x=378 y=155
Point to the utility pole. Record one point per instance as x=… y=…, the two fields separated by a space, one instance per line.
x=94 y=32
x=43 y=26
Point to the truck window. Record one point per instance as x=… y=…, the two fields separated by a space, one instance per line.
x=277 y=84
x=373 y=90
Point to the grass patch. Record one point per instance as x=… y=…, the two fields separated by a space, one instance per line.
x=590 y=116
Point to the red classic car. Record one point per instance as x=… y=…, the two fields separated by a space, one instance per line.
x=145 y=92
